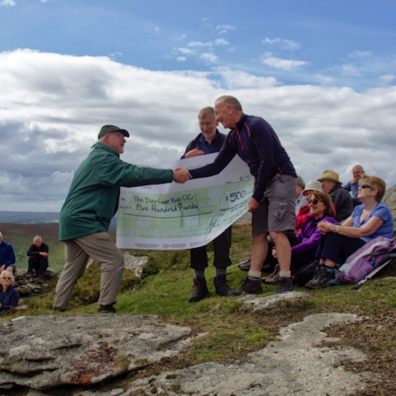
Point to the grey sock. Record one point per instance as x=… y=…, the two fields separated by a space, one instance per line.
x=199 y=274
x=221 y=271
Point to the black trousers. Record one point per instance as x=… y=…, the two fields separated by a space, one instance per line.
x=221 y=248
x=37 y=264
x=337 y=248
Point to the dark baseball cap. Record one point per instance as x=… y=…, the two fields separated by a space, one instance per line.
x=111 y=129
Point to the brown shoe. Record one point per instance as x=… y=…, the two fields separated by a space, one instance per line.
x=199 y=290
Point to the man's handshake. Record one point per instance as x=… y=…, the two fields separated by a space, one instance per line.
x=181 y=175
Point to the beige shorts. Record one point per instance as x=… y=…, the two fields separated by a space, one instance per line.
x=277 y=208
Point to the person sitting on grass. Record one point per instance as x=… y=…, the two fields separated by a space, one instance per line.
x=369 y=220
x=7 y=256
x=305 y=242
x=9 y=296
x=37 y=258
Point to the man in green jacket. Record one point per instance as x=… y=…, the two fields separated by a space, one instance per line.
x=91 y=203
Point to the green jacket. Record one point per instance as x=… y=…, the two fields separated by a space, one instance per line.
x=93 y=197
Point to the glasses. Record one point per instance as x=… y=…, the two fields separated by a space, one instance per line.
x=313 y=201
x=6 y=278
x=363 y=186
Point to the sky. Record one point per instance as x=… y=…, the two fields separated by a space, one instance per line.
x=322 y=73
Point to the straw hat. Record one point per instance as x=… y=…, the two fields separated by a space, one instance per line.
x=329 y=175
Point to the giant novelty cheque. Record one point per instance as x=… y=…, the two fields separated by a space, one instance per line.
x=182 y=216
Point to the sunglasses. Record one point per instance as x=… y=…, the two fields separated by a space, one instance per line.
x=365 y=186
x=4 y=277
x=313 y=201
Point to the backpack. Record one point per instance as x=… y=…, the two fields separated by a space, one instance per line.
x=371 y=255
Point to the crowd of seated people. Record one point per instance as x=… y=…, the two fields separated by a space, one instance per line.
x=330 y=226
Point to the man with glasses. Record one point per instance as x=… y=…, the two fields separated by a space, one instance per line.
x=91 y=203
x=210 y=140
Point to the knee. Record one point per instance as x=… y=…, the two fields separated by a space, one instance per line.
x=261 y=238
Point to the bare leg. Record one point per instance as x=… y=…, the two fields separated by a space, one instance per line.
x=258 y=252
x=283 y=250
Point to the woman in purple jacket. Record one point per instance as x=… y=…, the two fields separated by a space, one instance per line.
x=306 y=242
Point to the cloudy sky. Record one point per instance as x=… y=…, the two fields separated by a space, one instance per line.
x=322 y=73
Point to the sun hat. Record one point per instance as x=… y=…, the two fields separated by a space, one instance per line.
x=313 y=185
x=106 y=129
x=329 y=175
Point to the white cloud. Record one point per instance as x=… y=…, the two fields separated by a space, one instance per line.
x=387 y=78
x=281 y=43
x=281 y=63
x=185 y=51
x=223 y=29
x=7 y=3
x=209 y=57
x=322 y=79
x=181 y=58
x=199 y=44
x=221 y=42
x=52 y=107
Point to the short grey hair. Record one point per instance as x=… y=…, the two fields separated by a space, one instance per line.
x=207 y=111
x=230 y=101
x=37 y=237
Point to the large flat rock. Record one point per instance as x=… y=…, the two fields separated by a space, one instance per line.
x=294 y=364
x=43 y=352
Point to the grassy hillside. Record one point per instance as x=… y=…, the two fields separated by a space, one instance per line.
x=230 y=331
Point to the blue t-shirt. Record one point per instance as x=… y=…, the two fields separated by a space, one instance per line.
x=381 y=211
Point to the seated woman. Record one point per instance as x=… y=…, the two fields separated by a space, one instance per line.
x=367 y=221
x=9 y=296
x=305 y=242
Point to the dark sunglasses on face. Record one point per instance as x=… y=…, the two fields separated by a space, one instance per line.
x=365 y=186
x=313 y=201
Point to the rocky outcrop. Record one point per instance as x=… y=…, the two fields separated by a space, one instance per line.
x=44 y=352
x=390 y=200
x=296 y=363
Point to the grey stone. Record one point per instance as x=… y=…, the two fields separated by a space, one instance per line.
x=295 y=363
x=135 y=263
x=259 y=303
x=43 y=352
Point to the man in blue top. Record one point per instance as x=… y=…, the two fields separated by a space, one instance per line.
x=273 y=200
x=210 y=140
x=7 y=256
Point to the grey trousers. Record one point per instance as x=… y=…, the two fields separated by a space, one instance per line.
x=105 y=254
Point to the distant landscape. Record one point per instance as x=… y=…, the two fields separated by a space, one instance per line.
x=28 y=217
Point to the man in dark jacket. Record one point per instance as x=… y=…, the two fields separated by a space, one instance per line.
x=91 y=203
x=273 y=200
x=37 y=257
x=210 y=140
x=342 y=200
x=7 y=256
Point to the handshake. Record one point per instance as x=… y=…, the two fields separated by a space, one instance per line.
x=181 y=175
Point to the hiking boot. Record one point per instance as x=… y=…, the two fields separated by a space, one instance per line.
x=321 y=278
x=199 y=290
x=222 y=287
x=106 y=308
x=244 y=265
x=284 y=285
x=251 y=286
